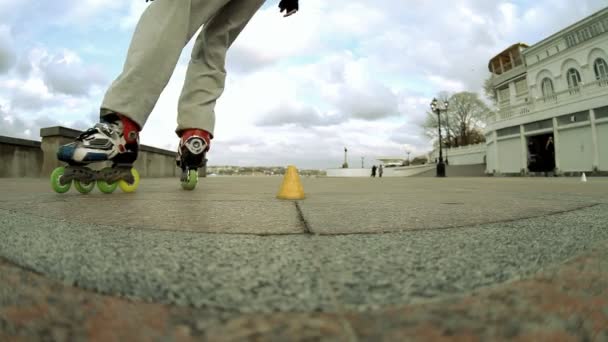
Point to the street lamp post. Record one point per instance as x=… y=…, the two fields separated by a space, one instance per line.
x=447 y=121
x=436 y=107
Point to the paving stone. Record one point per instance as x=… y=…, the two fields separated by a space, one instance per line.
x=539 y=272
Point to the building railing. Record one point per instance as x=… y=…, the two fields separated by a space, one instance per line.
x=551 y=100
x=508 y=74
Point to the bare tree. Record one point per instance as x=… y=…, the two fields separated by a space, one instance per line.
x=489 y=92
x=463 y=123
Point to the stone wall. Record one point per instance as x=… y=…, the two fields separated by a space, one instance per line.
x=19 y=157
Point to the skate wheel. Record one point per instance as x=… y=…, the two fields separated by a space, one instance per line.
x=55 y=184
x=84 y=188
x=190 y=184
x=126 y=187
x=106 y=188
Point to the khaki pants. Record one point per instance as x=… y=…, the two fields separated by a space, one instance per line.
x=164 y=28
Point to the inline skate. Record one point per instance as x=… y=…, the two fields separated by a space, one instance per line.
x=115 y=139
x=193 y=146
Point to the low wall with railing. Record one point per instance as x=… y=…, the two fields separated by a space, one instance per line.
x=28 y=158
x=401 y=171
x=463 y=155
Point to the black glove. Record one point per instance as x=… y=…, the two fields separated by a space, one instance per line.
x=289 y=6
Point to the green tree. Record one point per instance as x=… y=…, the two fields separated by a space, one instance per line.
x=462 y=124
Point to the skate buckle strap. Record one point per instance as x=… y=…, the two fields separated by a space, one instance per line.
x=204 y=135
x=196 y=145
x=130 y=129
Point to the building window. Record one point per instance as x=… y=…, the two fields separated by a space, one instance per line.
x=507 y=131
x=601 y=69
x=573 y=118
x=547 y=87
x=570 y=40
x=587 y=33
x=538 y=125
x=601 y=113
x=580 y=36
x=596 y=29
x=503 y=95
x=574 y=79
x=521 y=87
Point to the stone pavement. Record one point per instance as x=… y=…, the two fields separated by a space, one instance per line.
x=359 y=259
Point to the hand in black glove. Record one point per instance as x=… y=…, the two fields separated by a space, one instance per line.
x=289 y=6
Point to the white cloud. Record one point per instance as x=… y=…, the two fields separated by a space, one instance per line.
x=7 y=49
x=65 y=73
x=452 y=86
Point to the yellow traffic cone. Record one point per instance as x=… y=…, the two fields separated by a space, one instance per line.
x=291 y=189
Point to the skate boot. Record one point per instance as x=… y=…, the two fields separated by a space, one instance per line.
x=115 y=139
x=193 y=146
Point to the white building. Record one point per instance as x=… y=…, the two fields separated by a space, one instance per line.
x=556 y=89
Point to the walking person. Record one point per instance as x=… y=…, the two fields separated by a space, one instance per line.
x=380 y=170
x=374 y=171
x=163 y=30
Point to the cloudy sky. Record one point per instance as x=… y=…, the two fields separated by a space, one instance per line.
x=355 y=73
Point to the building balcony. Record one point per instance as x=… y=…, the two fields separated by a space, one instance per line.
x=556 y=99
x=507 y=75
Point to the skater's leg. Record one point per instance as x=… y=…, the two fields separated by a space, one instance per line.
x=163 y=30
x=206 y=72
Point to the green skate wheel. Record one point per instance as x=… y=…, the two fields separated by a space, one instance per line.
x=55 y=177
x=126 y=187
x=84 y=188
x=190 y=184
x=106 y=188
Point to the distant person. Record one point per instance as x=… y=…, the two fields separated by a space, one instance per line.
x=380 y=170
x=163 y=30
x=374 y=171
